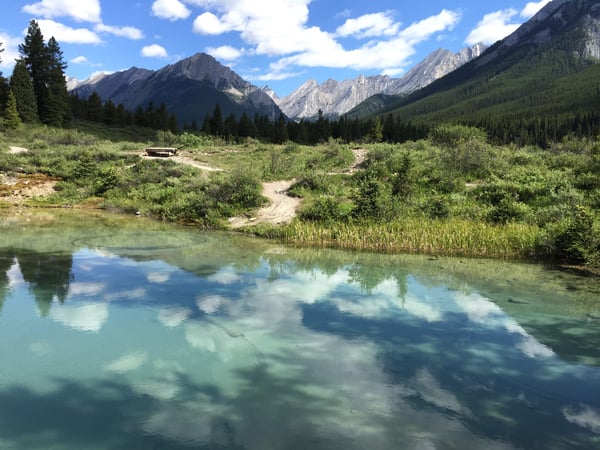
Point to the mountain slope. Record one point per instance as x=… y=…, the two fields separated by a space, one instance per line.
x=189 y=88
x=546 y=74
x=335 y=98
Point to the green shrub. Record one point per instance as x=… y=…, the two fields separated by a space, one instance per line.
x=576 y=243
x=327 y=210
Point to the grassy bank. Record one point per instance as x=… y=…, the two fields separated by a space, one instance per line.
x=450 y=237
x=450 y=194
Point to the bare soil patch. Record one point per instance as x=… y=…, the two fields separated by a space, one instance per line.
x=16 y=190
x=281 y=209
x=182 y=159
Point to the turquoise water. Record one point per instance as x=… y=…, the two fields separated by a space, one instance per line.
x=127 y=334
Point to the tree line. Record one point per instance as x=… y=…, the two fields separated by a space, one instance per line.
x=305 y=131
x=37 y=93
x=37 y=89
x=94 y=109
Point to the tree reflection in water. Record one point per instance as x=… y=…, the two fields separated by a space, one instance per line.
x=48 y=275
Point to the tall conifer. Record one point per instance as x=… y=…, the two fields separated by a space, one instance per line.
x=46 y=68
x=12 y=121
x=59 y=109
x=22 y=87
x=33 y=51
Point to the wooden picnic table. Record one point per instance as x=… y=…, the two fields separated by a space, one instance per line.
x=162 y=151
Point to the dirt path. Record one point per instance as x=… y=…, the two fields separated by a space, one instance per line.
x=281 y=209
x=184 y=160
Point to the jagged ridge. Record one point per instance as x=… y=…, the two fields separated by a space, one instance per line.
x=335 y=98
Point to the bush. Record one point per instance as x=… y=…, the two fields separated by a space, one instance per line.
x=327 y=210
x=577 y=243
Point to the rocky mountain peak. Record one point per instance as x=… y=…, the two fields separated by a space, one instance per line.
x=335 y=98
x=554 y=18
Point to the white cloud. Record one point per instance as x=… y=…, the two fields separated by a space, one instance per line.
x=493 y=27
x=208 y=23
x=158 y=277
x=86 y=317
x=369 y=25
x=170 y=9
x=281 y=29
x=87 y=289
x=10 y=53
x=210 y=304
x=79 y=60
x=79 y=10
x=65 y=34
x=585 y=417
x=173 y=316
x=154 y=51
x=385 y=54
x=532 y=8
x=126 y=32
x=423 y=30
x=227 y=275
x=127 y=363
x=224 y=53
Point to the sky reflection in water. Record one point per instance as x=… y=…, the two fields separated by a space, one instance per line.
x=118 y=346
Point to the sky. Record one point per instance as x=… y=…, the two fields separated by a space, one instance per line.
x=279 y=43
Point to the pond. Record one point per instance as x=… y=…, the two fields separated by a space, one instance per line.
x=122 y=333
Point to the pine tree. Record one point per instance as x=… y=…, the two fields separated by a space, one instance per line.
x=34 y=55
x=95 y=110
x=46 y=68
x=280 y=133
x=60 y=113
x=3 y=85
x=217 y=126
x=22 y=87
x=12 y=121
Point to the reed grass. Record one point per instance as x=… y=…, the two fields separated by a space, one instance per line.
x=512 y=241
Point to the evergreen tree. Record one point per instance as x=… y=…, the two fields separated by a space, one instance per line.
x=246 y=127
x=139 y=119
x=280 y=133
x=34 y=55
x=95 y=110
x=58 y=107
x=12 y=121
x=173 y=126
x=3 y=85
x=110 y=113
x=161 y=117
x=217 y=127
x=22 y=87
x=230 y=125
x=46 y=68
x=376 y=133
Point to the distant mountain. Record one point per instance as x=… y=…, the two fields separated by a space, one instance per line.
x=541 y=82
x=335 y=98
x=190 y=89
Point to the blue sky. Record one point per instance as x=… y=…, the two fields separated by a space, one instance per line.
x=280 y=43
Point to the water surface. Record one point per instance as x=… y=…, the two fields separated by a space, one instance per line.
x=123 y=333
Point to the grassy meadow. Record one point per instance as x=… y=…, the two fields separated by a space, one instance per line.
x=453 y=193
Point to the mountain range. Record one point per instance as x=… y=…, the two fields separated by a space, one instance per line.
x=193 y=86
x=335 y=98
x=190 y=89
x=544 y=76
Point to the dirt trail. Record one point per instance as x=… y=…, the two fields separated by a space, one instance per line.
x=280 y=210
x=184 y=160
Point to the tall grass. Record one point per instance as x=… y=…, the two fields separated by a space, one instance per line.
x=420 y=235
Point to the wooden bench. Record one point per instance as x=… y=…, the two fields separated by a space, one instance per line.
x=161 y=151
